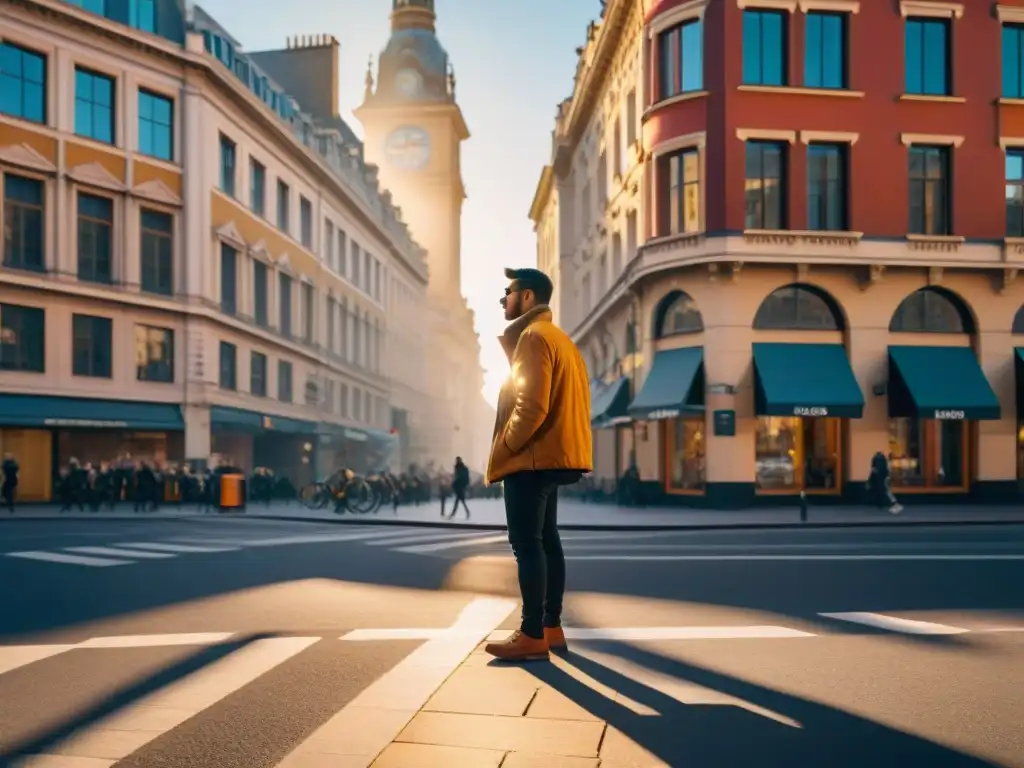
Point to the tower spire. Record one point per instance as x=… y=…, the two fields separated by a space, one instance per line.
x=413 y=14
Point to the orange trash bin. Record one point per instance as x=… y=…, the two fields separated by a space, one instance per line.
x=232 y=492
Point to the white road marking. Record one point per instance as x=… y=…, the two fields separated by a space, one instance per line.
x=441 y=546
x=68 y=559
x=118 y=552
x=631 y=634
x=395 y=698
x=129 y=729
x=14 y=656
x=154 y=641
x=181 y=549
x=323 y=538
x=1000 y=629
x=407 y=538
x=896 y=624
x=752 y=558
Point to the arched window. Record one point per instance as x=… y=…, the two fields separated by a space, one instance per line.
x=631 y=348
x=799 y=307
x=931 y=310
x=1018 y=321
x=677 y=313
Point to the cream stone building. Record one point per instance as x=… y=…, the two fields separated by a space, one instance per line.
x=818 y=277
x=195 y=262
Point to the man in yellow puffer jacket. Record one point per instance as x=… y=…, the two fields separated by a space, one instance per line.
x=541 y=440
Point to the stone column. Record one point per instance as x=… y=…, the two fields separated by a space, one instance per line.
x=197 y=432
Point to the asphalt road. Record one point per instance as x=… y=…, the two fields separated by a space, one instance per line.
x=774 y=648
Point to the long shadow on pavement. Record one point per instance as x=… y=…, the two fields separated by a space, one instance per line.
x=728 y=735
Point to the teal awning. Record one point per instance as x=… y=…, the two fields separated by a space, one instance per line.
x=805 y=380
x=224 y=418
x=939 y=383
x=674 y=385
x=608 y=404
x=87 y=413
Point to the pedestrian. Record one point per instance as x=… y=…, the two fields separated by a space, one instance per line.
x=460 y=482
x=9 y=481
x=880 y=484
x=541 y=440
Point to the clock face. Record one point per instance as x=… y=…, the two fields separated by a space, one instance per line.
x=408 y=82
x=408 y=147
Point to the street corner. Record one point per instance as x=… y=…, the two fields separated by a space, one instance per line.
x=484 y=574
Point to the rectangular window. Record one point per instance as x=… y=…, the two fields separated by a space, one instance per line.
x=367 y=272
x=343 y=401
x=23 y=223
x=94 y=105
x=156 y=125
x=927 y=57
x=825 y=51
x=327 y=251
x=377 y=282
x=681 y=174
x=826 y=187
x=23 y=340
x=306 y=222
x=22 y=83
x=259 y=293
x=308 y=314
x=332 y=320
x=342 y=253
x=284 y=213
x=1013 y=61
x=356 y=261
x=95 y=224
x=681 y=59
x=766 y=187
x=228 y=168
x=794 y=454
x=92 y=341
x=228 y=279
x=284 y=381
x=765 y=47
x=257 y=187
x=618 y=156
x=228 y=366
x=925 y=453
x=258 y=374
x=284 y=304
x=930 y=191
x=157 y=251
x=684 y=439
x=357 y=404
x=631 y=123
x=154 y=354
x=357 y=339
x=1015 y=193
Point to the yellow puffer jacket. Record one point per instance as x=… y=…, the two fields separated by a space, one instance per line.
x=543 y=418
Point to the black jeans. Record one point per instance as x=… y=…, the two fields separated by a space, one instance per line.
x=531 y=509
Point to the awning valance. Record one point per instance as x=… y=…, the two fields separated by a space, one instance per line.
x=939 y=383
x=674 y=386
x=805 y=380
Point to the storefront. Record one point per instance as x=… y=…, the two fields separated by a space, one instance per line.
x=935 y=393
x=361 y=450
x=803 y=395
x=43 y=433
x=249 y=439
x=672 y=397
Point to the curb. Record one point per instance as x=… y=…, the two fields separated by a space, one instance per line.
x=383 y=523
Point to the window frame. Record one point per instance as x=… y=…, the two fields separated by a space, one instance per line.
x=668 y=436
x=1017 y=30
x=930 y=446
x=305 y=222
x=764 y=322
x=260 y=303
x=228 y=307
x=157 y=365
x=1017 y=183
x=156 y=235
x=674 y=183
x=762 y=146
x=844 y=62
x=94 y=76
x=285 y=306
x=665 y=310
x=284 y=208
x=263 y=379
x=945 y=179
x=915 y=306
x=836 y=429
x=228 y=158
x=20 y=315
x=95 y=368
x=784 y=45
x=227 y=364
x=93 y=230
x=23 y=209
x=671 y=59
x=156 y=96
x=924 y=22
x=43 y=86
x=257 y=196
x=285 y=381
x=842 y=183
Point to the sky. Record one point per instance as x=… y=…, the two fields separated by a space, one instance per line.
x=514 y=61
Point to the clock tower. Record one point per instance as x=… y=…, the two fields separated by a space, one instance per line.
x=413 y=131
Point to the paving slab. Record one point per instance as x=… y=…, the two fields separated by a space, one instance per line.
x=511 y=734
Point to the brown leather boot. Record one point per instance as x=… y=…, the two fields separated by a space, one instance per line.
x=519 y=647
x=556 y=639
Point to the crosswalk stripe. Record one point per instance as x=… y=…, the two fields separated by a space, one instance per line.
x=118 y=552
x=181 y=549
x=441 y=546
x=407 y=538
x=315 y=539
x=896 y=624
x=14 y=656
x=69 y=559
x=129 y=729
x=633 y=634
x=154 y=641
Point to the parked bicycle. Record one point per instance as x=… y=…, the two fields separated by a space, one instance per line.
x=346 y=491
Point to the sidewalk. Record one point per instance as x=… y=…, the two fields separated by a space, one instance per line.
x=489 y=514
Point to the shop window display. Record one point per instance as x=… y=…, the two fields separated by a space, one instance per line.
x=794 y=454
x=684 y=441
